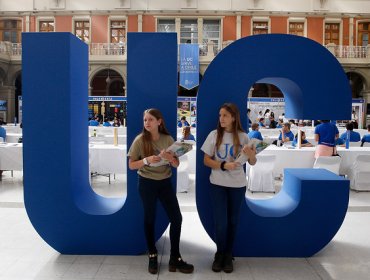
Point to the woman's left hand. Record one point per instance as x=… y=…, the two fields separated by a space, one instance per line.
x=167 y=155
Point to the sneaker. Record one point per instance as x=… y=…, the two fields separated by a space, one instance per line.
x=177 y=263
x=218 y=262
x=228 y=263
x=153 y=263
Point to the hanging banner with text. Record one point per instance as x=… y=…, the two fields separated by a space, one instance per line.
x=189 y=65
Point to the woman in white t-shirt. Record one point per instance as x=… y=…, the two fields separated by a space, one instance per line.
x=228 y=180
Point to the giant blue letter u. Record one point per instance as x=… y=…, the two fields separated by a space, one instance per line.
x=71 y=218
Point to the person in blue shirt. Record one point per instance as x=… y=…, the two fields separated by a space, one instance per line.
x=285 y=134
x=340 y=142
x=326 y=134
x=3 y=133
x=106 y=122
x=186 y=134
x=366 y=138
x=304 y=142
x=94 y=122
x=353 y=135
x=255 y=133
x=183 y=122
x=261 y=122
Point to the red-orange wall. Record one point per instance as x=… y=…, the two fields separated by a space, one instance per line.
x=279 y=25
x=148 y=23
x=132 y=23
x=315 y=29
x=63 y=23
x=229 y=32
x=345 y=31
x=246 y=26
x=99 y=30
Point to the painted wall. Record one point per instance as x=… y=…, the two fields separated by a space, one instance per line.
x=229 y=28
x=99 y=33
x=315 y=29
x=63 y=23
x=279 y=25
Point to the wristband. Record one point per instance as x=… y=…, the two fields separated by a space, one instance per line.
x=222 y=166
x=146 y=161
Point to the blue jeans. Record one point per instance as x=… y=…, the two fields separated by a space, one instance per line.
x=151 y=191
x=226 y=204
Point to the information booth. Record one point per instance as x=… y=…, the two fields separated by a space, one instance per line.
x=109 y=107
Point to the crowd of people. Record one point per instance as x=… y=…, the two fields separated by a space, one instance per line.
x=99 y=120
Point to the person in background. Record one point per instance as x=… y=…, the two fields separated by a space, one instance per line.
x=154 y=183
x=353 y=135
x=255 y=133
x=259 y=116
x=186 y=133
x=228 y=180
x=261 y=122
x=116 y=122
x=304 y=142
x=3 y=135
x=273 y=123
x=326 y=134
x=183 y=122
x=94 y=122
x=285 y=134
x=366 y=138
x=249 y=116
x=106 y=122
x=280 y=123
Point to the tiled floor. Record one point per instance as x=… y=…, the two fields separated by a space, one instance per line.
x=24 y=255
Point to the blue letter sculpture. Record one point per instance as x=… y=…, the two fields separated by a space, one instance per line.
x=73 y=219
x=59 y=201
x=312 y=204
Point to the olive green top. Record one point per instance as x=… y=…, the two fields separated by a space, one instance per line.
x=136 y=152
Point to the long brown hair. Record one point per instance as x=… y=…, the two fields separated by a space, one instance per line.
x=147 y=137
x=236 y=127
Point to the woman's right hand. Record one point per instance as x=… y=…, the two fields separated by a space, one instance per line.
x=231 y=165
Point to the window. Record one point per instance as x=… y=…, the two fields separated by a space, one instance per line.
x=82 y=30
x=296 y=28
x=211 y=31
x=10 y=30
x=332 y=33
x=46 y=26
x=363 y=34
x=189 y=31
x=118 y=31
x=166 y=25
x=260 y=27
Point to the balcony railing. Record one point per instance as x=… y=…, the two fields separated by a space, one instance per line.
x=349 y=51
x=209 y=50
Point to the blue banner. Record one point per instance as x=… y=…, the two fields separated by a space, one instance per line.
x=189 y=65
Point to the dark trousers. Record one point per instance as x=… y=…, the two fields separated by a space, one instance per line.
x=226 y=204
x=151 y=191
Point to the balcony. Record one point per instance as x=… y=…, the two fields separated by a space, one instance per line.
x=117 y=51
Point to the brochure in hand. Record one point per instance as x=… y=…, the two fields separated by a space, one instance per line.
x=258 y=144
x=178 y=148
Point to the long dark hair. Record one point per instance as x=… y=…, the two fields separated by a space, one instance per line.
x=236 y=127
x=147 y=137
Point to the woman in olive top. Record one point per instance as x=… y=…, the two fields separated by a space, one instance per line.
x=146 y=155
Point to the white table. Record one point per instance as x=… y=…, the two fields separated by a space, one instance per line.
x=103 y=158
x=108 y=158
x=304 y=157
x=11 y=156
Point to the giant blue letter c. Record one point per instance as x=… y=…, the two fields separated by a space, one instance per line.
x=310 y=209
